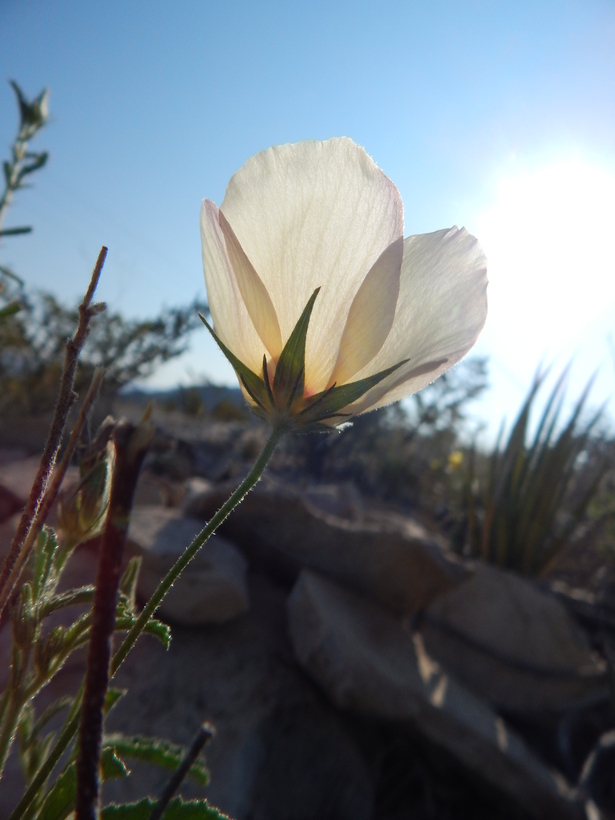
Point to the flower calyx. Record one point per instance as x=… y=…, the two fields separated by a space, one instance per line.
x=283 y=401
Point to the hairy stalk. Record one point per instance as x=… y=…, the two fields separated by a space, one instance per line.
x=72 y=720
x=131 y=445
x=10 y=717
x=66 y=399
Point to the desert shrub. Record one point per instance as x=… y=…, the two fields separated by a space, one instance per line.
x=530 y=497
x=32 y=348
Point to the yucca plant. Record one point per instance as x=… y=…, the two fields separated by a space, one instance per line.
x=527 y=503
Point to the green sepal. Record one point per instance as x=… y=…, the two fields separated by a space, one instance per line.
x=289 y=376
x=328 y=403
x=254 y=385
x=158 y=752
x=177 y=809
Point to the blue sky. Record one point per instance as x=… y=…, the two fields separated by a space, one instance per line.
x=497 y=116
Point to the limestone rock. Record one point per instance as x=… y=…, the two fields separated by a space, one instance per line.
x=366 y=661
x=212 y=588
x=387 y=558
x=280 y=751
x=514 y=644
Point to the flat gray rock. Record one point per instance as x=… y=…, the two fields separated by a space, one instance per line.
x=365 y=660
x=212 y=588
x=388 y=558
x=513 y=644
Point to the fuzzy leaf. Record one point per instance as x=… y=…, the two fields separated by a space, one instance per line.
x=60 y=799
x=158 y=752
x=328 y=403
x=46 y=546
x=176 y=810
x=290 y=370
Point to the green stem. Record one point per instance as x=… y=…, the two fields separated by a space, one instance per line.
x=72 y=721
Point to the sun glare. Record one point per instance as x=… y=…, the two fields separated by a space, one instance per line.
x=549 y=239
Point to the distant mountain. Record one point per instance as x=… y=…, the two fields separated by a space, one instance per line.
x=210 y=395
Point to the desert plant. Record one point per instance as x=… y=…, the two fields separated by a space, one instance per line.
x=33 y=115
x=524 y=502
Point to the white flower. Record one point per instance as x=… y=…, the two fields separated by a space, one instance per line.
x=322 y=307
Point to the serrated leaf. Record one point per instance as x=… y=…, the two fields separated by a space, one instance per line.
x=290 y=370
x=253 y=383
x=60 y=799
x=112 y=766
x=158 y=752
x=177 y=809
x=328 y=403
x=160 y=631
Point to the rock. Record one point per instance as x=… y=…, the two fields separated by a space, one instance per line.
x=597 y=776
x=280 y=751
x=366 y=661
x=389 y=559
x=9 y=503
x=16 y=478
x=8 y=529
x=513 y=644
x=212 y=588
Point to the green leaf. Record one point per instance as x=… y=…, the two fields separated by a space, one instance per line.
x=158 y=752
x=46 y=546
x=290 y=370
x=15 y=231
x=159 y=630
x=9 y=273
x=128 y=581
x=111 y=698
x=253 y=383
x=176 y=810
x=10 y=310
x=60 y=799
x=112 y=767
x=331 y=401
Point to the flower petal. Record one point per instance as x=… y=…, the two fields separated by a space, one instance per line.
x=308 y=215
x=441 y=309
x=232 y=321
x=371 y=315
x=253 y=292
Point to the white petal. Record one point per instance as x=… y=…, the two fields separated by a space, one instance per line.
x=232 y=322
x=308 y=215
x=441 y=309
x=371 y=315
x=254 y=293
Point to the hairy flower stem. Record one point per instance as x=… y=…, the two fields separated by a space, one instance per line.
x=131 y=445
x=72 y=720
